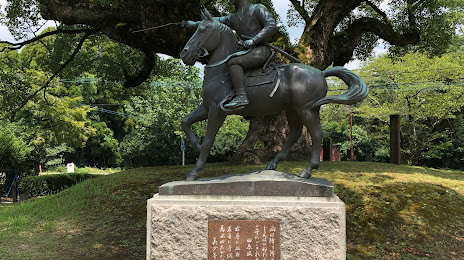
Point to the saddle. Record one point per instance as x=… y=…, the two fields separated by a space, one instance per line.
x=261 y=77
x=266 y=76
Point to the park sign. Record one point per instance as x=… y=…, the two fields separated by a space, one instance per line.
x=70 y=168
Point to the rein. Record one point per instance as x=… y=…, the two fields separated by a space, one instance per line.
x=227 y=58
x=157 y=27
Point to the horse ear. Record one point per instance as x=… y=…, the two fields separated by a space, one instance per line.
x=203 y=16
x=208 y=15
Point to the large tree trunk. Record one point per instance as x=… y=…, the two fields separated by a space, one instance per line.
x=265 y=139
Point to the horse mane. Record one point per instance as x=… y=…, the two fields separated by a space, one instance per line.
x=227 y=32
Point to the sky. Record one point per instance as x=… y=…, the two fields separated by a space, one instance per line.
x=281 y=6
x=4 y=33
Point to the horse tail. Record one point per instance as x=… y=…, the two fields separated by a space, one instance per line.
x=357 y=88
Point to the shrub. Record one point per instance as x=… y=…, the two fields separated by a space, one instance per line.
x=85 y=170
x=14 y=153
x=53 y=183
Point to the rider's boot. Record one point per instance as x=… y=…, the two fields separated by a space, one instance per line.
x=239 y=100
x=237 y=75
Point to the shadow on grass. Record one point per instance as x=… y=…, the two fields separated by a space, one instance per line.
x=403 y=221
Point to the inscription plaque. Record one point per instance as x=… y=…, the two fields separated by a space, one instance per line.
x=243 y=239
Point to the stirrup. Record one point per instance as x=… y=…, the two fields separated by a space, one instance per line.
x=229 y=97
x=226 y=100
x=230 y=109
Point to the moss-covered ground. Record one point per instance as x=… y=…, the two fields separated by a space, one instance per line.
x=393 y=212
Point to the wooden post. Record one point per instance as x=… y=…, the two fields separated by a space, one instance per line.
x=14 y=191
x=395 y=139
x=351 y=131
x=327 y=145
x=336 y=153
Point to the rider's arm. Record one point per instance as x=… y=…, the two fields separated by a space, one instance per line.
x=192 y=24
x=268 y=23
x=225 y=20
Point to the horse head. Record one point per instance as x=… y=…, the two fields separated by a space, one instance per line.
x=204 y=40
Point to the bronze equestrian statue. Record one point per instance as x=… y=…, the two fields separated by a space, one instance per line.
x=298 y=89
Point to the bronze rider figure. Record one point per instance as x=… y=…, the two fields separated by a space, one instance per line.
x=255 y=24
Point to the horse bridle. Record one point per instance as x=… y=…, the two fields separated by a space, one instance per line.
x=201 y=51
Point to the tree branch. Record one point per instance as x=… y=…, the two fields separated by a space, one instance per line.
x=418 y=3
x=300 y=9
x=63 y=66
x=447 y=113
x=380 y=12
x=411 y=16
x=345 y=42
x=149 y=62
x=19 y=45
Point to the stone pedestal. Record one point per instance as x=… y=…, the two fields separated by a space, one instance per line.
x=309 y=227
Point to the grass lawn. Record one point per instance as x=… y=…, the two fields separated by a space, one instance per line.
x=63 y=170
x=393 y=212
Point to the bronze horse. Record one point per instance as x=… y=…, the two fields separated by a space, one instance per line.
x=301 y=92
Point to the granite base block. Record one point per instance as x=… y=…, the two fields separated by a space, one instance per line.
x=310 y=227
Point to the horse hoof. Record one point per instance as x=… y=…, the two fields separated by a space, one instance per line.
x=305 y=174
x=192 y=177
x=271 y=166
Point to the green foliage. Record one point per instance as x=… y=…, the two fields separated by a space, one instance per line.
x=103 y=147
x=229 y=138
x=53 y=183
x=110 y=3
x=436 y=21
x=155 y=138
x=22 y=17
x=60 y=116
x=370 y=140
x=427 y=92
x=14 y=153
x=15 y=86
x=13 y=149
x=157 y=133
x=54 y=155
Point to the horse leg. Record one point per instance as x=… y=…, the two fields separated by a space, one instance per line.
x=311 y=120
x=295 y=126
x=215 y=120
x=199 y=114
